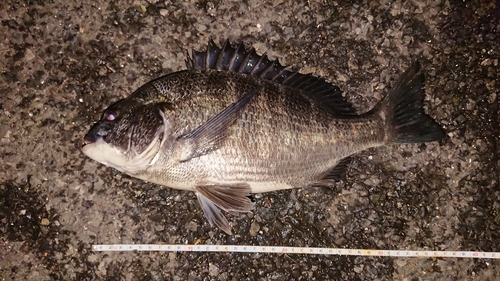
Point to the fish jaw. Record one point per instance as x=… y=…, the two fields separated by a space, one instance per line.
x=129 y=162
x=106 y=154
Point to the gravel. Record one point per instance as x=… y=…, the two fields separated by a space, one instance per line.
x=63 y=62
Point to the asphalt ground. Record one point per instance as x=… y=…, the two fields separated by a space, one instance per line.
x=63 y=62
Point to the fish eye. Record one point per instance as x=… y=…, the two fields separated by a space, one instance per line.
x=110 y=116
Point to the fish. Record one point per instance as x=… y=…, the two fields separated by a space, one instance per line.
x=236 y=123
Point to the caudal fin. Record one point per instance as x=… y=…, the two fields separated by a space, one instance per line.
x=404 y=111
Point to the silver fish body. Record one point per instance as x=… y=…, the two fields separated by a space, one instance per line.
x=235 y=123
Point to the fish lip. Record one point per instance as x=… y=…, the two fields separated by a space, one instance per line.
x=85 y=145
x=86 y=141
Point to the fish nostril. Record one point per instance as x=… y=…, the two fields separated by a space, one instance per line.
x=90 y=138
x=102 y=133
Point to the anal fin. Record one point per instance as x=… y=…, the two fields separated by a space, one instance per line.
x=334 y=174
x=230 y=198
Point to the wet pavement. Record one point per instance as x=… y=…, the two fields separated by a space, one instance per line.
x=63 y=63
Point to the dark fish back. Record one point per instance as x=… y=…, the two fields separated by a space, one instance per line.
x=240 y=60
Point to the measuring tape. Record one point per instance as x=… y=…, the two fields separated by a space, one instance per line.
x=295 y=250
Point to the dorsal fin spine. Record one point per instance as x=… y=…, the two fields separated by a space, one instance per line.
x=244 y=62
x=249 y=62
x=221 y=55
x=279 y=74
x=266 y=70
x=254 y=71
x=235 y=57
x=289 y=77
x=207 y=54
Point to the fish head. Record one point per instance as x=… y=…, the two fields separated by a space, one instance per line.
x=129 y=135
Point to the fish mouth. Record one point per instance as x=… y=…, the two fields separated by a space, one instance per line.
x=85 y=142
x=88 y=140
x=85 y=145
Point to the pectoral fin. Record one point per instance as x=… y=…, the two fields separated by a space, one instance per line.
x=230 y=198
x=210 y=135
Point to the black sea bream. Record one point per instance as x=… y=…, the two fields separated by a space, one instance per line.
x=236 y=123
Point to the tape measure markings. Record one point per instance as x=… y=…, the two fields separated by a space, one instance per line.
x=293 y=250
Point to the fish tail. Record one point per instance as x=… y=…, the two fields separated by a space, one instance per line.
x=403 y=110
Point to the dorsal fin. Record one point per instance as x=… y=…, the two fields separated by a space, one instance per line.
x=249 y=62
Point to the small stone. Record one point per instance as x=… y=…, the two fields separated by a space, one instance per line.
x=213 y=270
x=254 y=229
x=92 y=258
x=163 y=12
x=486 y=62
x=401 y=262
x=359 y=269
x=45 y=222
x=192 y=226
x=28 y=55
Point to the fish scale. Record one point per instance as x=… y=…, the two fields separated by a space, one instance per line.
x=306 y=152
x=236 y=123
